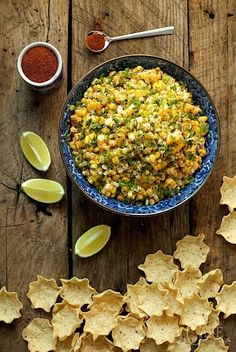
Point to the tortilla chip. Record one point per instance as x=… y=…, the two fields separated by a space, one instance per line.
x=100 y=320
x=228 y=228
x=153 y=298
x=66 y=319
x=10 y=306
x=210 y=283
x=163 y=329
x=179 y=346
x=39 y=335
x=191 y=336
x=191 y=251
x=184 y=342
x=65 y=345
x=112 y=298
x=76 y=291
x=196 y=311
x=133 y=298
x=212 y=344
x=149 y=345
x=128 y=333
x=159 y=268
x=228 y=192
x=226 y=299
x=43 y=293
x=175 y=305
x=186 y=282
x=76 y=341
x=101 y=344
x=212 y=323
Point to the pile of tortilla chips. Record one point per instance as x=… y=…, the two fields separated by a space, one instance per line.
x=171 y=309
x=228 y=196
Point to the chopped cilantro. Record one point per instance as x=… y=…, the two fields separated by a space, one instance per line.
x=95 y=126
x=72 y=107
x=204 y=128
x=190 y=156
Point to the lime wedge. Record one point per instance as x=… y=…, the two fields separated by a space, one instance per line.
x=35 y=150
x=92 y=241
x=42 y=190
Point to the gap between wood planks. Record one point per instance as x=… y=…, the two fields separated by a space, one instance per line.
x=68 y=181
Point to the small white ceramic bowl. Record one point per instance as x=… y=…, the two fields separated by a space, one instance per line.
x=52 y=83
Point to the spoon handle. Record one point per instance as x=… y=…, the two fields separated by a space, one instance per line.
x=150 y=33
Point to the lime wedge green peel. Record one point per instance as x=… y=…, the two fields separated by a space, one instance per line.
x=43 y=190
x=92 y=241
x=35 y=150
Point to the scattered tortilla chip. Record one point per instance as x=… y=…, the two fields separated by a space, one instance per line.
x=133 y=298
x=65 y=345
x=76 y=342
x=43 y=293
x=212 y=323
x=191 y=250
x=112 y=298
x=190 y=335
x=39 y=335
x=179 y=346
x=226 y=299
x=66 y=320
x=100 y=320
x=228 y=228
x=128 y=333
x=196 y=311
x=149 y=345
x=175 y=305
x=210 y=283
x=10 y=306
x=186 y=282
x=100 y=344
x=184 y=342
x=159 y=268
x=76 y=291
x=212 y=344
x=228 y=192
x=153 y=299
x=163 y=329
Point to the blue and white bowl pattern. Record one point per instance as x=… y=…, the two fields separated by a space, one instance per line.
x=200 y=97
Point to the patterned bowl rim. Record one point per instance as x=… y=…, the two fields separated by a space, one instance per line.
x=106 y=207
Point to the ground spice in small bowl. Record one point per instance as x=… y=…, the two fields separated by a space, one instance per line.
x=39 y=64
x=95 y=41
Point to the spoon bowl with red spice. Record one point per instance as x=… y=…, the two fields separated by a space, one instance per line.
x=97 y=41
x=40 y=66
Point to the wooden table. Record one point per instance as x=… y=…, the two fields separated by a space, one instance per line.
x=38 y=239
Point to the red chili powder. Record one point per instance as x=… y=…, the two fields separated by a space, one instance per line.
x=95 y=41
x=39 y=64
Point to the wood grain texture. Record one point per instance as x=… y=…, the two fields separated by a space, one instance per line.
x=132 y=238
x=33 y=238
x=212 y=51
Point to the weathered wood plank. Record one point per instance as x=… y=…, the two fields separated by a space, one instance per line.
x=33 y=238
x=212 y=45
x=131 y=238
x=34 y=242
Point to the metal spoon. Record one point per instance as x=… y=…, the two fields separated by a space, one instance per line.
x=150 y=33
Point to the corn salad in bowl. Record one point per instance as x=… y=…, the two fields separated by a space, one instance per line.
x=138 y=136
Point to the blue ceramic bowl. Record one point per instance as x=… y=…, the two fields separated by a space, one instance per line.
x=200 y=97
